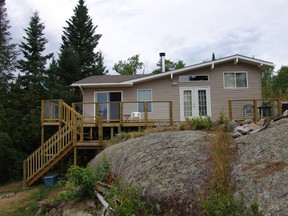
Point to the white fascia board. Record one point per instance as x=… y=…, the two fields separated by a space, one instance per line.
x=103 y=85
x=210 y=64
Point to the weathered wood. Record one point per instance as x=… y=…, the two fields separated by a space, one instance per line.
x=255 y=111
x=171 y=113
x=70 y=134
x=230 y=114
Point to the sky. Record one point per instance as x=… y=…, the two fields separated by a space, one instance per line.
x=188 y=30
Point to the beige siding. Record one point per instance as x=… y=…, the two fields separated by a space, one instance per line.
x=164 y=90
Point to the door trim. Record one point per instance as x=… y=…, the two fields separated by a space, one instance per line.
x=181 y=90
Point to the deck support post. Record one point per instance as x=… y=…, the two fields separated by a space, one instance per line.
x=75 y=156
x=112 y=132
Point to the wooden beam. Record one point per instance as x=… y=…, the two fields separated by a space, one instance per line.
x=279 y=106
x=171 y=113
x=212 y=66
x=255 y=111
x=236 y=60
x=230 y=115
x=146 y=113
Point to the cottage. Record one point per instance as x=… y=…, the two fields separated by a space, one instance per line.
x=201 y=89
x=117 y=101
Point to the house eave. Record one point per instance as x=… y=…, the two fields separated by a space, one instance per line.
x=101 y=85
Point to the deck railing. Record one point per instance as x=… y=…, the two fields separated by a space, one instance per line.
x=151 y=111
x=46 y=153
x=261 y=108
x=54 y=112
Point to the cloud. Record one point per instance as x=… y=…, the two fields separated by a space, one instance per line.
x=185 y=30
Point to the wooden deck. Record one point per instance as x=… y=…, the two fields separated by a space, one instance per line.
x=260 y=108
x=80 y=128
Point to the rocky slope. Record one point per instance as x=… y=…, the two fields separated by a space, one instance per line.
x=170 y=168
x=261 y=169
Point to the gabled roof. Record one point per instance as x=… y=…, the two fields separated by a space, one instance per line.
x=130 y=80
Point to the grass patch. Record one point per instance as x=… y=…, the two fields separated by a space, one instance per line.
x=219 y=199
x=25 y=202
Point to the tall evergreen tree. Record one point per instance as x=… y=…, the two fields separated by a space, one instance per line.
x=80 y=40
x=30 y=88
x=32 y=48
x=8 y=53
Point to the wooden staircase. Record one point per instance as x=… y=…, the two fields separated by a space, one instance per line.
x=58 y=146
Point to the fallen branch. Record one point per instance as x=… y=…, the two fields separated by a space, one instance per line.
x=103 y=202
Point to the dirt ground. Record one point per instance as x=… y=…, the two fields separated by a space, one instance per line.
x=14 y=198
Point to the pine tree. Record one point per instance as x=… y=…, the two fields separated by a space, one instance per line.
x=79 y=38
x=8 y=53
x=32 y=48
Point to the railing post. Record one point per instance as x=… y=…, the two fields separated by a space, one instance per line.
x=60 y=105
x=171 y=113
x=74 y=125
x=96 y=110
x=42 y=111
x=100 y=129
x=146 y=112
x=121 y=113
x=279 y=106
x=230 y=110
x=255 y=111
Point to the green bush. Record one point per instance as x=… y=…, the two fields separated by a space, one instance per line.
x=196 y=123
x=103 y=169
x=84 y=178
x=128 y=201
x=222 y=119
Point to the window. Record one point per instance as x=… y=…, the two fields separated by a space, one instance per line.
x=235 y=80
x=191 y=78
x=144 y=95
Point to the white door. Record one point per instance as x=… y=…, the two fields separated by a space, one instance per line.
x=194 y=102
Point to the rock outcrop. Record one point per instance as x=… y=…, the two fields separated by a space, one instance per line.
x=170 y=168
x=261 y=169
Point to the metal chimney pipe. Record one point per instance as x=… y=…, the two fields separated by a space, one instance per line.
x=162 y=58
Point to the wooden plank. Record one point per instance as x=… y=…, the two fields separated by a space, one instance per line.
x=230 y=115
x=255 y=111
x=171 y=113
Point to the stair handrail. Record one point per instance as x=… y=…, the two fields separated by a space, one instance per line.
x=57 y=143
x=42 y=156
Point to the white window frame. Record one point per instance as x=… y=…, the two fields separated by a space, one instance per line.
x=195 y=80
x=107 y=92
x=138 y=90
x=235 y=72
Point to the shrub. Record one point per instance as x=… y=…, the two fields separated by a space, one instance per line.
x=222 y=119
x=103 y=169
x=125 y=200
x=196 y=123
x=84 y=178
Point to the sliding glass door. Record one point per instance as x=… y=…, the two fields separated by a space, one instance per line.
x=109 y=108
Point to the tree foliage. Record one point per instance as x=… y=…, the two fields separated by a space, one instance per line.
x=79 y=41
x=8 y=53
x=129 y=66
x=280 y=83
x=169 y=66
x=29 y=89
